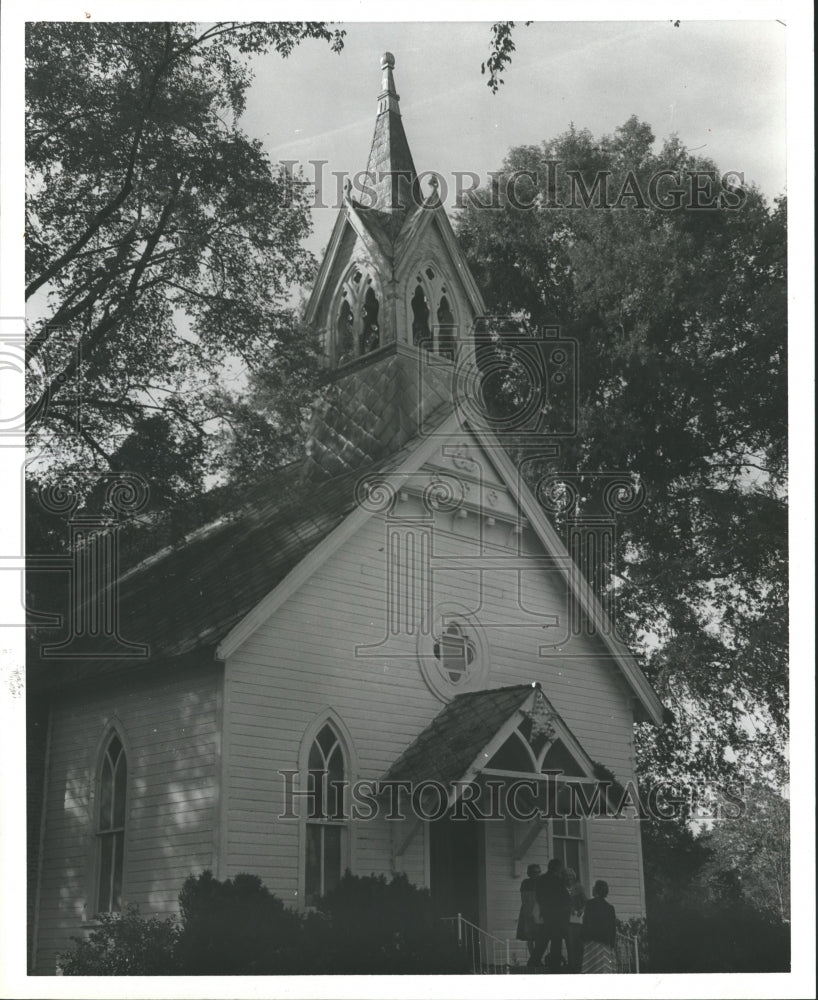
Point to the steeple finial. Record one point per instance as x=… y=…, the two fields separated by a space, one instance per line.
x=388 y=98
x=390 y=171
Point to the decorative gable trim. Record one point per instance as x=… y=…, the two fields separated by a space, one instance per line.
x=553 y=545
x=325 y=270
x=531 y=510
x=406 y=260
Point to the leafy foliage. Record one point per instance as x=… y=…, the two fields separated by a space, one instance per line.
x=265 y=420
x=161 y=244
x=701 y=915
x=501 y=48
x=750 y=854
x=680 y=317
x=124 y=944
x=382 y=927
x=161 y=247
x=236 y=927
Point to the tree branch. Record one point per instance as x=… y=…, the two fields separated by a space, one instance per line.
x=109 y=320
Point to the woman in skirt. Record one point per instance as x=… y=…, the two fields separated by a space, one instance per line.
x=599 y=932
x=529 y=925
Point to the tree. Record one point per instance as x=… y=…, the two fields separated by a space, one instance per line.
x=750 y=853
x=680 y=316
x=161 y=245
x=269 y=416
x=500 y=50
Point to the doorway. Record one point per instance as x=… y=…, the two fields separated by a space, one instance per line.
x=456 y=867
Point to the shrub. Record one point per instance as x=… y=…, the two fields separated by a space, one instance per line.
x=237 y=927
x=124 y=944
x=375 y=927
x=715 y=938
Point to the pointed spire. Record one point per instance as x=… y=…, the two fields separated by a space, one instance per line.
x=390 y=171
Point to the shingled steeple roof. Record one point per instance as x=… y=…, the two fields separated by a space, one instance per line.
x=390 y=171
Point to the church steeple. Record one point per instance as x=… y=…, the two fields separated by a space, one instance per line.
x=390 y=170
x=393 y=304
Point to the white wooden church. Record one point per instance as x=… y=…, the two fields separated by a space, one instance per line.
x=396 y=607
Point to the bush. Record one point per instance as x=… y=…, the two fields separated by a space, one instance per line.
x=699 y=918
x=237 y=927
x=375 y=927
x=715 y=938
x=124 y=944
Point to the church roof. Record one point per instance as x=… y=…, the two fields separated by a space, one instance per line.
x=188 y=596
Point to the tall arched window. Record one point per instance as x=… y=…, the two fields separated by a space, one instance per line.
x=446 y=337
x=431 y=302
x=370 y=331
x=357 y=328
x=346 y=336
x=420 y=316
x=326 y=817
x=111 y=816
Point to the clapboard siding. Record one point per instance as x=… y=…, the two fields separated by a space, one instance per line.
x=303 y=660
x=169 y=723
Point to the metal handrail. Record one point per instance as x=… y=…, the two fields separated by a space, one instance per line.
x=488 y=953
x=491 y=954
x=627 y=952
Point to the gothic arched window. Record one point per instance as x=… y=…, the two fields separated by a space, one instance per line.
x=446 y=336
x=346 y=337
x=370 y=331
x=326 y=817
x=357 y=328
x=431 y=302
x=420 y=317
x=111 y=815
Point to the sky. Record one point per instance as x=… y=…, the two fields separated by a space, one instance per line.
x=719 y=84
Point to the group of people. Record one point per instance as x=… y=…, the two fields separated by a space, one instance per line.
x=554 y=911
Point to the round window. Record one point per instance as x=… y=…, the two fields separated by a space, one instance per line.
x=453 y=656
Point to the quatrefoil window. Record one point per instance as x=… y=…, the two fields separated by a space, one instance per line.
x=454 y=651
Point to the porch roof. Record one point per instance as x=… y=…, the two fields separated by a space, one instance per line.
x=454 y=739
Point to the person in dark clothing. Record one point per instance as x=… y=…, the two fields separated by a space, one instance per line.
x=555 y=911
x=599 y=932
x=529 y=928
